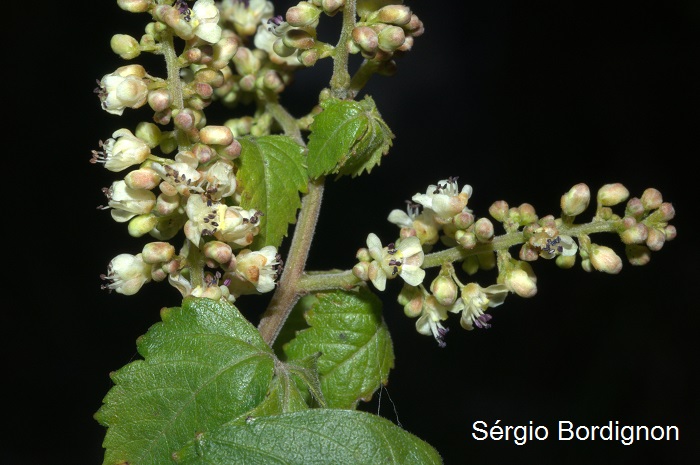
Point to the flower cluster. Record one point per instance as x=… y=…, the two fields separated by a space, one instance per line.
x=441 y=216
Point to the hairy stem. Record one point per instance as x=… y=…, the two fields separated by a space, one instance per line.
x=287 y=293
x=340 y=81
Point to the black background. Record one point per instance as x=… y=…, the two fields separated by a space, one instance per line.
x=520 y=99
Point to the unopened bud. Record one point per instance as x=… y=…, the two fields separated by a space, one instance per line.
x=363 y=255
x=366 y=38
x=390 y=38
x=605 y=259
x=651 y=199
x=638 y=255
x=149 y=133
x=656 y=239
x=670 y=232
x=331 y=7
x=157 y=252
x=224 y=51
x=483 y=229
x=142 y=224
x=215 y=135
x=528 y=253
x=142 y=178
x=612 y=194
x=303 y=14
x=134 y=6
x=470 y=265
x=636 y=234
x=166 y=205
x=527 y=214
x=576 y=200
x=361 y=271
x=218 y=251
x=520 y=282
x=445 y=290
x=298 y=39
x=466 y=239
x=308 y=58
x=125 y=46
x=159 y=99
x=398 y=15
x=634 y=208
x=499 y=210
x=565 y=261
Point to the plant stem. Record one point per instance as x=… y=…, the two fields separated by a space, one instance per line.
x=287 y=293
x=340 y=81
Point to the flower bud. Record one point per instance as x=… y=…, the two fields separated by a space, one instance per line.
x=651 y=199
x=565 y=261
x=331 y=7
x=499 y=210
x=157 y=252
x=125 y=46
x=308 y=58
x=612 y=194
x=166 y=205
x=576 y=200
x=134 y=6
x=142 y=224
x=656 y=239
x=143 y=178
x=670 y=232
x=634 y=208
x=466 y=239
x=281 y=49
x=398 y=15
x=483 y=229
x=298 y=39
x=527 y=214
x=390 y=38
x=159 y=100
x=445 y=290
x=218 y=251
x=361 y=271
x=366 y=38
x=215 y=135
x=224 y=50
x=605 y=259
x=636 y=234
x=520 y=282
x=303 y=14
x=487 y=260
x=528 y=252
x=638 y=255
x=470 y=265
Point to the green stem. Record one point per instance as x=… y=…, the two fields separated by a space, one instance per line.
x=287 y=293
x=340 y=81
x=344 y=279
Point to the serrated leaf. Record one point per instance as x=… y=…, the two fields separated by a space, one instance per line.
x=271 y=172
x=347 y=138
x=202 y=366
x=355 y=345
x=284 y=396
x=310 y=437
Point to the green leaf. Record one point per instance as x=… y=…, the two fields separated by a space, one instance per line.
x=347 y=138
x=310 y=437
x=284 y=396
x=272 y=174
x=202 y=366
x=357 y=353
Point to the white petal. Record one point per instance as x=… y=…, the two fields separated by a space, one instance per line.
x=413 y=276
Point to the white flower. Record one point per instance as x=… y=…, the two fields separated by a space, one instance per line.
x=220 y=180
x=429 y=324
x=413 y=222
x=259 y=267
x=445 y=198
x=238 y=226
x=205 y=21
x=265 y=39
x=124 y=88
x=246 y=15
x=550 y=243
x=404 y=260
x=476 y=300
x=126 y=202
x=181 y=175
x=121 y=151
x=126 y=274
x=204 y=217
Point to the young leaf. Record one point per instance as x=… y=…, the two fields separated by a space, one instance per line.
x=347 y=138
x=357 y=353
x=310 y=437
x=271 y=172
x=202 y=366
